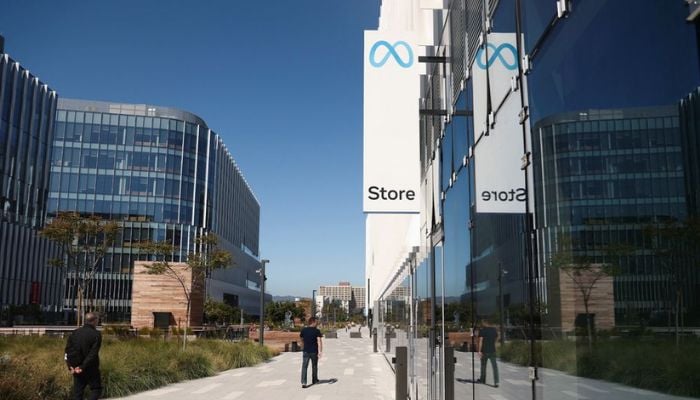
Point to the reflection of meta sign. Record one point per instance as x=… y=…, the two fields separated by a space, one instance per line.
x=496 y=53
x=499 y=179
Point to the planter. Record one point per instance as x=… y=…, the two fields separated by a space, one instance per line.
x=279 y=340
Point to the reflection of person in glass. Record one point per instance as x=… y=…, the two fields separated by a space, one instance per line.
x=487 y=350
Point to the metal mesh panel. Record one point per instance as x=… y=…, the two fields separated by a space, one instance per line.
x=430 y=126
x=474 y=19
x=458 y=36
x=437 y=97
x=492 y=6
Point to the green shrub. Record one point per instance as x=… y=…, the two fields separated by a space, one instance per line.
x=156 y=333
x=179 y=331
x=145 y=331
x=653 y=364
x=117 y=330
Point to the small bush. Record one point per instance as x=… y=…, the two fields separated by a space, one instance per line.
x=145 y=331
x=117 y=330
x=179 y=331
x=654 y=364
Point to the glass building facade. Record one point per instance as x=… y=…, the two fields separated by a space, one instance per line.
x=165 y=176
x=614 y=150
x=27 y=110
x=606 y=177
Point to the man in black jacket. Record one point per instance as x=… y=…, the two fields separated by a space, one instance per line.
x=313 y=347
x=82 y=358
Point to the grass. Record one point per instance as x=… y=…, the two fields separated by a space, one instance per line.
x=32 y=368
x=653 y=364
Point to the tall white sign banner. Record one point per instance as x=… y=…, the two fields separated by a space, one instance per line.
x=391 y=122
x=499 y=179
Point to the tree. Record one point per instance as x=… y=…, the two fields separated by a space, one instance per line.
x=275 y=311
x=584 y=273
x=220 y=312
x=358 y=317
x=208 y=257
x=457 y=315
x=674 y=244
x=335 y=310
x=84 y=241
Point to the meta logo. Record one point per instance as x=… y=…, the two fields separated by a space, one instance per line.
x=496 y=53
x=504 y=195
x=391 y=51
x=376 y=193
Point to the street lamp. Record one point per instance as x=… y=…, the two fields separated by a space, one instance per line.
x=313 y=303
x=261 y=271
x=501 y=273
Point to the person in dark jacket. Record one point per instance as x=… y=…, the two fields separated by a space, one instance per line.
x=82 y=358
x=313 y=347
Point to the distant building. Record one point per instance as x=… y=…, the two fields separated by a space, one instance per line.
x=351 y=297
x=27 y=110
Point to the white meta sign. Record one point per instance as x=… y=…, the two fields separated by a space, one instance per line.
x=391 y=174
x=499 y=179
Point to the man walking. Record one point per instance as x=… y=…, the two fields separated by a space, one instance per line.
x=487 y=351
x=313 y=348
x=82 y=358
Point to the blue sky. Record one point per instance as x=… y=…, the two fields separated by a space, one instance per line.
x=280 y=80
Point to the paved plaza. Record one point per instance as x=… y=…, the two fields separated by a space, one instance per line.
x=348 y=370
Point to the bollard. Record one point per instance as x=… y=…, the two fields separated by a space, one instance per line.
x=374 y=335
x=401 y=370
x=450 y=362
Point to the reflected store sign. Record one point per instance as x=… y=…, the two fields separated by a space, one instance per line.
x=391 y=162
x=499 y=179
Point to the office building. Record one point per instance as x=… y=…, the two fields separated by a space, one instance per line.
x=165 y=176
x=603 y=178
x=600 y=149
x=27 y=110
x=350 y=297
x=690 y=143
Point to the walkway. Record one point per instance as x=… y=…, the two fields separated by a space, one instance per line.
x=348 y=370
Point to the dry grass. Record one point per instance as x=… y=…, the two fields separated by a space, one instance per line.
x=32 y=368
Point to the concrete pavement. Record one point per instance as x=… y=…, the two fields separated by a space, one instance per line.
x=348 y=370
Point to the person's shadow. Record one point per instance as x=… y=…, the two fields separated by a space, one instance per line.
x=327 y=381
x=466 y=381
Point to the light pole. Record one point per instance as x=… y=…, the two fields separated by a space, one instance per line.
x=313 y=303
x=501 y=273
x=261 y=271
